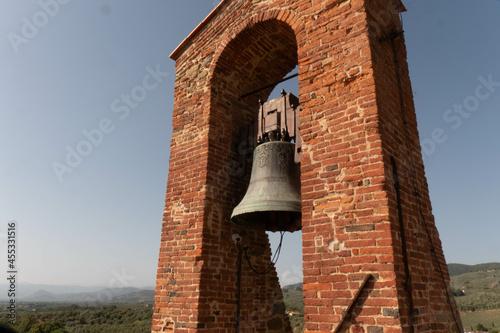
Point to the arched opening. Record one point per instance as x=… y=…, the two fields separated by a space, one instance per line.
x=257 y=57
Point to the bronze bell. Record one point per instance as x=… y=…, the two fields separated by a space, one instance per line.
x=272 y=201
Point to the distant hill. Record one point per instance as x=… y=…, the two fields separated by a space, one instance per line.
x=293 y=298
x=477 y=290
x=294 y=286
x=108 y=295
x=141 y=296
x=458 y=269
x=27 y=289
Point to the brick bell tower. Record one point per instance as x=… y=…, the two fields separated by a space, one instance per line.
x=372 y=257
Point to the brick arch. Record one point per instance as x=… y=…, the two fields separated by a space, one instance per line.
x=295 y=22
x=260 y=51
x=257 y=52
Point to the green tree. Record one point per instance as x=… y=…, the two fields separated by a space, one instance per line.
x=481 y=327
x=26 y=324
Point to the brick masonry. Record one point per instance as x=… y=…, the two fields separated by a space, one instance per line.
x=351 y=126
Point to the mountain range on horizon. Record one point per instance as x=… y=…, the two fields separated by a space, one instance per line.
x=107 y=295
x=458 y=269
x=67 y=293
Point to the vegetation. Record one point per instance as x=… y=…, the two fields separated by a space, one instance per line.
x=485 y=320
x=64 y=318
x=294 y=303
x=458 y=269
x=477 y=290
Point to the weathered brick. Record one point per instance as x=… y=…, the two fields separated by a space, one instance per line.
x=351 y=126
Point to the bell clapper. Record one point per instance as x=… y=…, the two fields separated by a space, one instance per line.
x=236 y=238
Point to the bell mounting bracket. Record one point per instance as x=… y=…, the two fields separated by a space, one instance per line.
x=279 y=121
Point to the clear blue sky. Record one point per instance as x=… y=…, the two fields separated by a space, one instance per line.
x=99 y=221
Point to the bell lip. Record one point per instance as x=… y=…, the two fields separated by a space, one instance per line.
x=294 y=207
x=292 y=226
x=286 y=200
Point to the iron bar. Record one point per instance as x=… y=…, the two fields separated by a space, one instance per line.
x=347 y=312
x=238 y=290
x=269 y=85
x=404 y=249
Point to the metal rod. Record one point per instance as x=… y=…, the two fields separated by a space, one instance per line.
x=404 y=250
x=347 y=313
x=283 y=95
x=270 y=85
x=238 y=291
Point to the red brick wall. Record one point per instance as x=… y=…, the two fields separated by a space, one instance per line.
x=351 y=125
